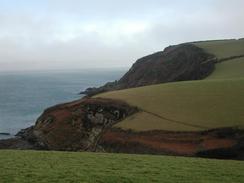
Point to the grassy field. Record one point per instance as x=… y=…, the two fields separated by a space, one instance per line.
x=229 y=69
x=184 y=106
x=67 y=167
x=214 y=102
x=223 y=48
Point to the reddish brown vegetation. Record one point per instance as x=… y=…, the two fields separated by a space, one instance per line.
x=173 y=143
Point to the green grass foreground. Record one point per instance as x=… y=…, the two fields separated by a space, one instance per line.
x=66 y=167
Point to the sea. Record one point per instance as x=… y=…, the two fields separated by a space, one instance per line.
x=25 y=95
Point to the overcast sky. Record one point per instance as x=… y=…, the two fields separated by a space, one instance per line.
x=76 y=34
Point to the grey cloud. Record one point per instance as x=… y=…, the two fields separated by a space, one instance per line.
x=53 y=34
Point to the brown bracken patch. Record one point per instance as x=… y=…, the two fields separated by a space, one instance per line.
x=172 y=143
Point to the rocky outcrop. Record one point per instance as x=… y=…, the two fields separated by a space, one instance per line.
x=73 y=126
x=176 y=63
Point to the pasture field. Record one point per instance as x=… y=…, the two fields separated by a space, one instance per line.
x=184 y=106
x=223 y=48
x=78 y=167
x=229 y=69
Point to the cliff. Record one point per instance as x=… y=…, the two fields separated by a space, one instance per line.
x=72 y=126
x=176 y=63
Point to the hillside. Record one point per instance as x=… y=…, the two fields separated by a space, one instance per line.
x=67 y=167
x=184 y=106
x=192 y=105
x=183 y=62
x=186 y=100
x=176 y=63
x=215 y=102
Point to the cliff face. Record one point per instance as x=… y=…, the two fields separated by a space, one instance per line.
x=176 y=63
x=75 y=126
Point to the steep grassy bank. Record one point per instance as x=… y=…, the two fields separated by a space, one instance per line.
x=41 y=166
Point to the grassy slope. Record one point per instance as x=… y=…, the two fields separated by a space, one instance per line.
x=37 y=166
x=229 y=69
x=210 y=104
x=224 y=48
x=216 y=102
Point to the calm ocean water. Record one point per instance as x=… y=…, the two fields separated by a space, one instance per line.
x=24 y=95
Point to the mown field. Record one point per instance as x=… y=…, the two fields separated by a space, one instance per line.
x=184 y=106
x=223 y=48
x=67 y=167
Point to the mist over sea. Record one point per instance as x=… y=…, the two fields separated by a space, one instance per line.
x=24 y=95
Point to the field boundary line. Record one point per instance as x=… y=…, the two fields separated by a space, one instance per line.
x=175 y=121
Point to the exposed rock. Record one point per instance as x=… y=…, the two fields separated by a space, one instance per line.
x=73 y=126
x=176 y=63
x=107 y=87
